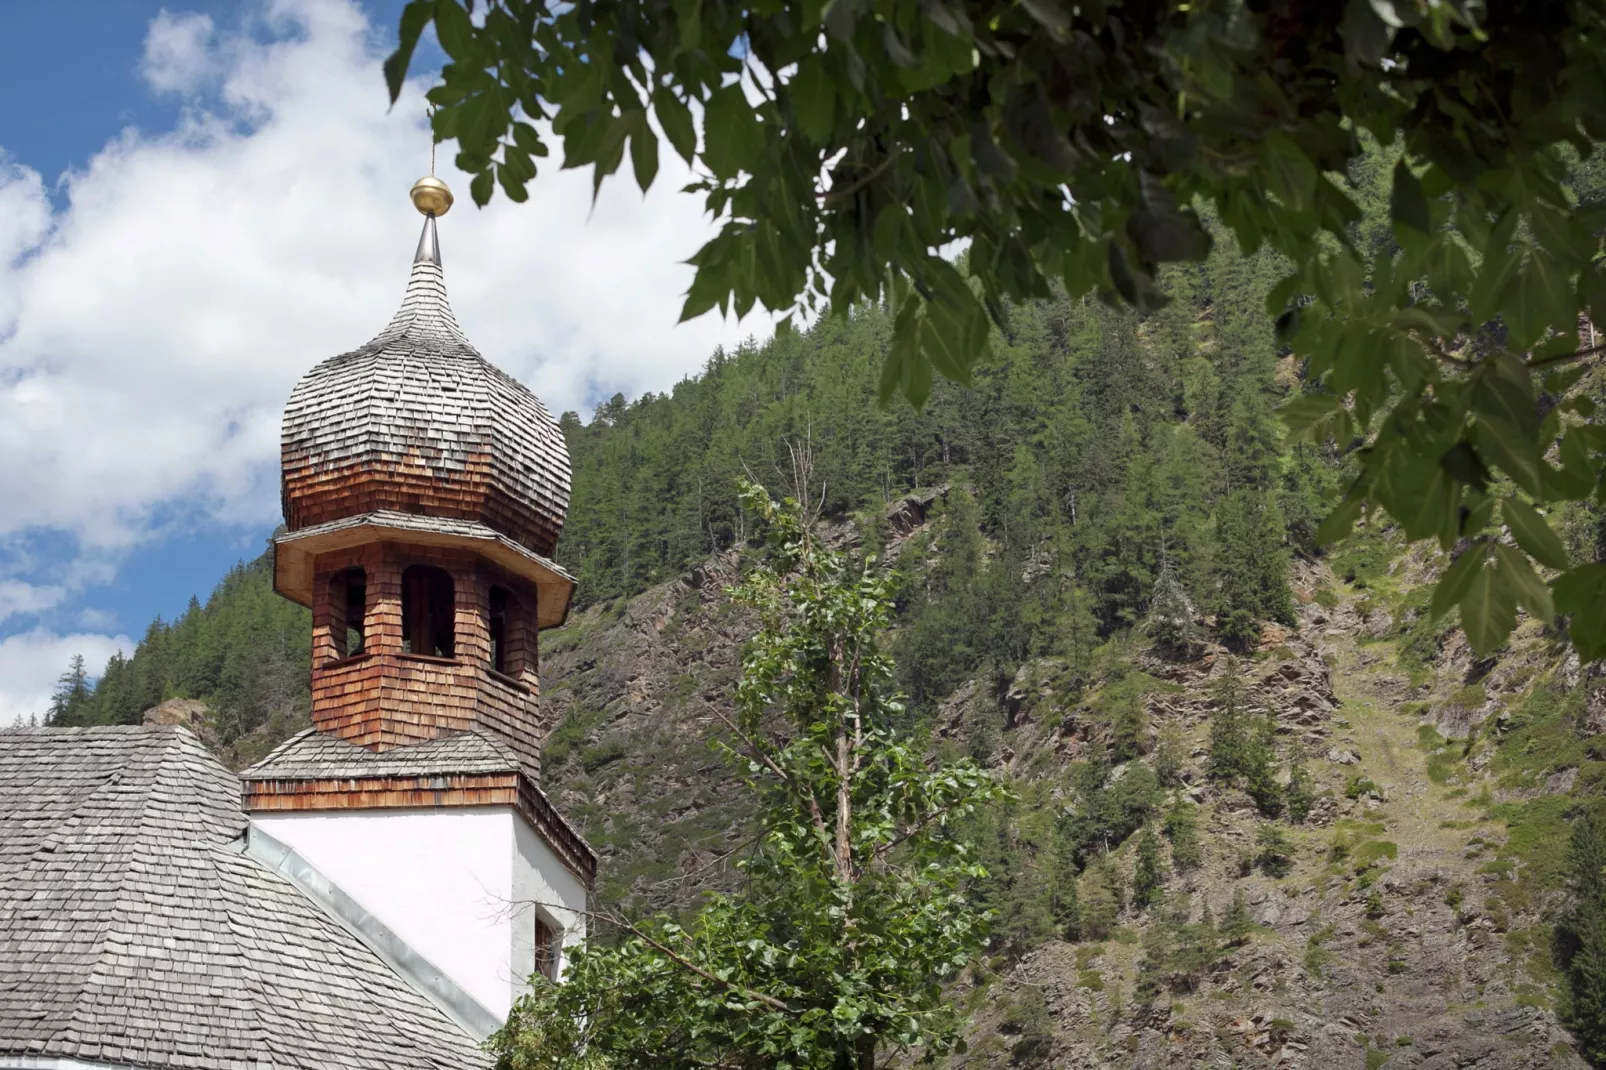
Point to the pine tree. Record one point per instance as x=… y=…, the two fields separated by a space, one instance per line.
x=1148 y=872
x=1260 y=757
x=1170 y=754
x=1182 y=829
x=1301 y=794
x=1229 y=735
x=1100 y=901
x=1236 y=924
x=1583 y=936
x=1170 y=619
x=1066 y=902
x=1128 y=725
x=1274 y=854
x=69 y=702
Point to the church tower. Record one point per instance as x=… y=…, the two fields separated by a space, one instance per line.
x=424 y=490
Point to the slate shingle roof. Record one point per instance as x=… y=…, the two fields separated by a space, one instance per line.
x=418 y=416
x=134 y=931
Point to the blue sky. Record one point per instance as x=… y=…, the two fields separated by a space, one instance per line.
x=199 y=201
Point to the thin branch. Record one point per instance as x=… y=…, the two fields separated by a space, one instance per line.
x=859 y=183
x=1564 y=358
x=755 y=751
x=743 y=990
x=917 y=828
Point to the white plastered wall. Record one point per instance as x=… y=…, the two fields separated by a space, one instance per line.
x=457 y=885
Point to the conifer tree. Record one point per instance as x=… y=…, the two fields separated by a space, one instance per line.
x=1182 y=829
x=1100 y=900
x=1274 y=854
x=1583 y=936
x=1169 y=623
x=1236 y=924
x=69 y=702
x=1065 y=902
x=1148 y=871
x=1170 y=754
x=1301 y=793
x=1259 y=777
x=1229 y=734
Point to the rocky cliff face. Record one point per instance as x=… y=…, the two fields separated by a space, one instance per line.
x=1411 y=929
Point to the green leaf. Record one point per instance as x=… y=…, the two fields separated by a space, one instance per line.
x=456 y=31
x=813 y=98
x=1533 y=534
x=480 y=187
x=644 y=154
x=1488 y=611
x=1516 y=453
x=1340 y=521
x=1409 y=204
x=1538 y=298
x=1581 y=593
x=1457 y=579
x=1304 y=412
x=1289 y=172
x=1524 y=584
x=733 y=139
x=415 y=16
x=675 y=119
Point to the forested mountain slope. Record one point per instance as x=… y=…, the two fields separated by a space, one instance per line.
x=1269 y=812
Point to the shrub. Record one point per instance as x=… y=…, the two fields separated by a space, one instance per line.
x=1360 y=784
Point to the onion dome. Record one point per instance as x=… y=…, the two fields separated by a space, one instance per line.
x=417 y=422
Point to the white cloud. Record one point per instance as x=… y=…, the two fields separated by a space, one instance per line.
x=152 y=327
x=32 y=662
x=178 y=52
x=17 y=597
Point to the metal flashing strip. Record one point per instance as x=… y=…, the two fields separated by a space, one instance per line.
x=428 y=979
x=55 y=1062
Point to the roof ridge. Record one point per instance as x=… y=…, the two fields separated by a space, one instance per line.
x=289 y=743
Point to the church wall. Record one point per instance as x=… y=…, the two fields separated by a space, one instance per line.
x=541 y=883
x=444 y=880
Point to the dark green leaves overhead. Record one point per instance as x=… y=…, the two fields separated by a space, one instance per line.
x=845 y=143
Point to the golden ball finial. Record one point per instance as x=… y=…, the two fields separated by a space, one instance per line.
x=431 y=196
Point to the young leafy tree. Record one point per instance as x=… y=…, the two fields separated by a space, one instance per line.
x=832 y=953
x=844 y=146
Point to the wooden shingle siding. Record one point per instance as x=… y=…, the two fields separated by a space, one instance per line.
x=417 y=421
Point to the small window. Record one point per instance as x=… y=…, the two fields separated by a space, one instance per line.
x=356 y=610
x=348 y=602
x=498 y=623
x=546 y=949
x=428 y=609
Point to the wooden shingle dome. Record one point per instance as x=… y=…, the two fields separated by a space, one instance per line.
x=417 y=422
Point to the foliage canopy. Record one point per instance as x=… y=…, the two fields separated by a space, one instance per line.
x=846 y=143
x=832 y=954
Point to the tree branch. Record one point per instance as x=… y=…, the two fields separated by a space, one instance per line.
x=686 y=964
x=757 y=753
